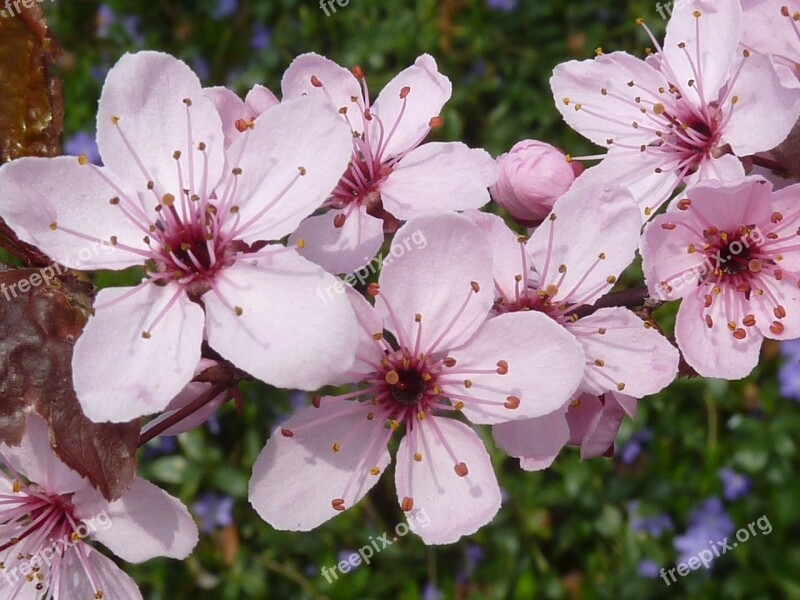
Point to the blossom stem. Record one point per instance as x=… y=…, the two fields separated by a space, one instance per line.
x=631 y=298
x=772 y=165
x=27 y=253
x=186 y=411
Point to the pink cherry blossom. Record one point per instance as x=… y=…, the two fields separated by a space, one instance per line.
x=196 y=216
x=48 y=513
x=392 y=176
x=731 y=251
x=567 y=265
x=683 y=115
x=427 y=352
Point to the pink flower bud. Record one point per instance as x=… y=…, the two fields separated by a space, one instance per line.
x=533 y=175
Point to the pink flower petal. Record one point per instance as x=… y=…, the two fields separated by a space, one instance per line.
x=761 y=99
x=577 y=255
x=446 y=506
x=299 y=475
x=713 y=351
x=787 y=201
x=370 y=323
x=290 y=333
x=36 y=193
x=641 y=173
x=145 y=94
x=259 y=100
x=335 y=83
x=340 y=249
x=539 y=440
x=670 y=271
x=429 y=90
x=287 y=172
x=439 y=177
x=729 y=205
x=112 y=581
x=724 y=168
x=119 y=374
x=787 y=294
x=35 y=459
x=544 y=367
x=230 y=107
x=578 y=93
x=719 y=28
x=144 y=523
x=603 y=428
x=583 y=412
x=507 y=250
x=629 y=355
x=430 y=271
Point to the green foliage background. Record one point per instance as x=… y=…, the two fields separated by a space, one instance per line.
x=562 y=533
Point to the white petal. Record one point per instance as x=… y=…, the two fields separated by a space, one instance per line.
x=42 y=198
x=120 y=375
x=290 y=333
x=145 y=522
x=446 y=506
x=340 y=249
x=433 y=261
x=296 y=479
x=145 y=94
x=439 y=177
x=544 y=367
x=291 y=159
x=577 y=255
x=629 y=355
x=539 y=440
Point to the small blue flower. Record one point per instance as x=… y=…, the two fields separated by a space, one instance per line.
x=214 y=510
x=225 y=8
x=261 y=38
x=104 y=19
x=648 y=568
x=708 y=522
x=503 y=5
x=789 y=373
x=634 y=446
x=654 y=525
x=431 y=592
x=734 y=484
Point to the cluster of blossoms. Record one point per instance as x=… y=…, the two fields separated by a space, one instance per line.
x=237 y=212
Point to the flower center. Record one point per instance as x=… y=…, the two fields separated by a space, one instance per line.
x=407 y=383
x=410 y=387
x=733 y=254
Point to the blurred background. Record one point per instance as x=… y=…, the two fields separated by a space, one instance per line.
x=700 y=461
